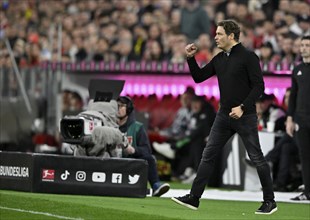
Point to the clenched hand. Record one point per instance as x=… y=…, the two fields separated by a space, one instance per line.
x=191 y=50
x=236 y=112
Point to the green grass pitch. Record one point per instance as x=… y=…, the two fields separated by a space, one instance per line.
x=32 y=206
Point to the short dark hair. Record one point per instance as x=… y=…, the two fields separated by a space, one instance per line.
x=190 y=90
x=265 y=97
x=230 y=27
x=77 y=96
x=306 y=37
x=127 y=101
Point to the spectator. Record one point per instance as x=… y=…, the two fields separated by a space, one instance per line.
x=76 y=102
x=231 y=9
x=139 y=146
x=199 y=129
x=72 y=102
x=178 y=54
x=81 y=53
x=180 y=122
x=19 y=52
x=34 y=54
x=304 y=24
x=154 y=51
x=154 y=33
x=101 y=51
x=286 y=98
x=124 y=47
x=204 y=55
x=66 y=93
x=124 y=51
x=269 y=112
x=186 y=151
x=175 y=20
x=269 y=34
x=266 y=53
x=295 y=50
x=139 y=41
x=243 y=15
x=194 y=20
x=45 y=53
x=287 y=49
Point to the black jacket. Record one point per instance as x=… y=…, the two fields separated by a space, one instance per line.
x=204 y=121
x=299 y=105
x=239 y=75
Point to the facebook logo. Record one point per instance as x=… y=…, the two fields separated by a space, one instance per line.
x=98 y=177
x=117 y=178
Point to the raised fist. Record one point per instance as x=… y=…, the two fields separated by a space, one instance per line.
x=191 y=50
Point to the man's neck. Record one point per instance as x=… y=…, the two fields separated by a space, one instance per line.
x=306 y=60
x=122 y=121
x=231 y=46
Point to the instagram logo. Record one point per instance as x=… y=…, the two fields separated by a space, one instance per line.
x=80 y=176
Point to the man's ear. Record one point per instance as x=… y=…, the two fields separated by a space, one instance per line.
x=231 y=36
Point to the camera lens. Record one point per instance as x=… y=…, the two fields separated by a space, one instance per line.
x=72 y=129
x=75 y=130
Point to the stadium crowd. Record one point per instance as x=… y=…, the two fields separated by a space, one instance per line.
x=104 y=30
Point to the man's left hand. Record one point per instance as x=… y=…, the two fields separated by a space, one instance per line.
x=236 y=112
x=130 y=149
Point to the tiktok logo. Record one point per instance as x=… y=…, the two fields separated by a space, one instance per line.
x=65 y=175
x=117 y=178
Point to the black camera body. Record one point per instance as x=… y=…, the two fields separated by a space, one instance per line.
x=78 y=129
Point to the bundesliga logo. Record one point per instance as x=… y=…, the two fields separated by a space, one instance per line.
x=48 y=175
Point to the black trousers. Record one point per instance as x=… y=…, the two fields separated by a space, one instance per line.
x=303 y=142
x=152 y=168
x=223 y=128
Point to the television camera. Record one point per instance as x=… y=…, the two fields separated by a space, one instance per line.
x=95 y=132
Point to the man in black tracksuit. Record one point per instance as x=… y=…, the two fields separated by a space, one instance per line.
x=298 y=119
x=241 y=84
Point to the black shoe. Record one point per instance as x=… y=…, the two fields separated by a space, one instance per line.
x=267 y=208
x=161 y=189
x=188 y=201
x=301 y=197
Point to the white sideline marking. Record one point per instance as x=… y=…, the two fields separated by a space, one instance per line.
x=40 y=213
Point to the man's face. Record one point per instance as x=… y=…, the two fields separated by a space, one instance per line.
x=196 y=106
x=223 y=41
x=305 y=48
x=121 y=110
x=185 y=100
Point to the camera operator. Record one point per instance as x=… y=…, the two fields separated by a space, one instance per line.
x=139 y=146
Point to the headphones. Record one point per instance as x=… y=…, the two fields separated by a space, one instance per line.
x=129 y=104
